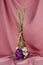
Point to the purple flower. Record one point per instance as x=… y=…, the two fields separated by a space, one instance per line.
x=19 y=54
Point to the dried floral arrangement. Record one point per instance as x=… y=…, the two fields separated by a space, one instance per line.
x=21 y=49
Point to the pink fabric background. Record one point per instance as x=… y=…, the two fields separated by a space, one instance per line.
x=30 y=61
x=33 y=29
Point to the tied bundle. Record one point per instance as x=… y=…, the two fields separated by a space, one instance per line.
x=21 y=49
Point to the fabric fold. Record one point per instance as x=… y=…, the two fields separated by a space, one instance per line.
x=32 y=31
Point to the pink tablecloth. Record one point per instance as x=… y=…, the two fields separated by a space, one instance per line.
x=30 y=61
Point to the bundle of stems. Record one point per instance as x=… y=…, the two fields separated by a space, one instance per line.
x=21 y=21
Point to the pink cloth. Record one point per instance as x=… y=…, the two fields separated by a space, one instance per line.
x=33 y=26
x=30 y=61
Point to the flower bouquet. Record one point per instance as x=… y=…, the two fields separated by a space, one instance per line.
x=21 y=50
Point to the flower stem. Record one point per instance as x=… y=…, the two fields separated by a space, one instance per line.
x=21 y=20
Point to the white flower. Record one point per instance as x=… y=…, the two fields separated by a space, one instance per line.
x=25 y=54
x=24 y=49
